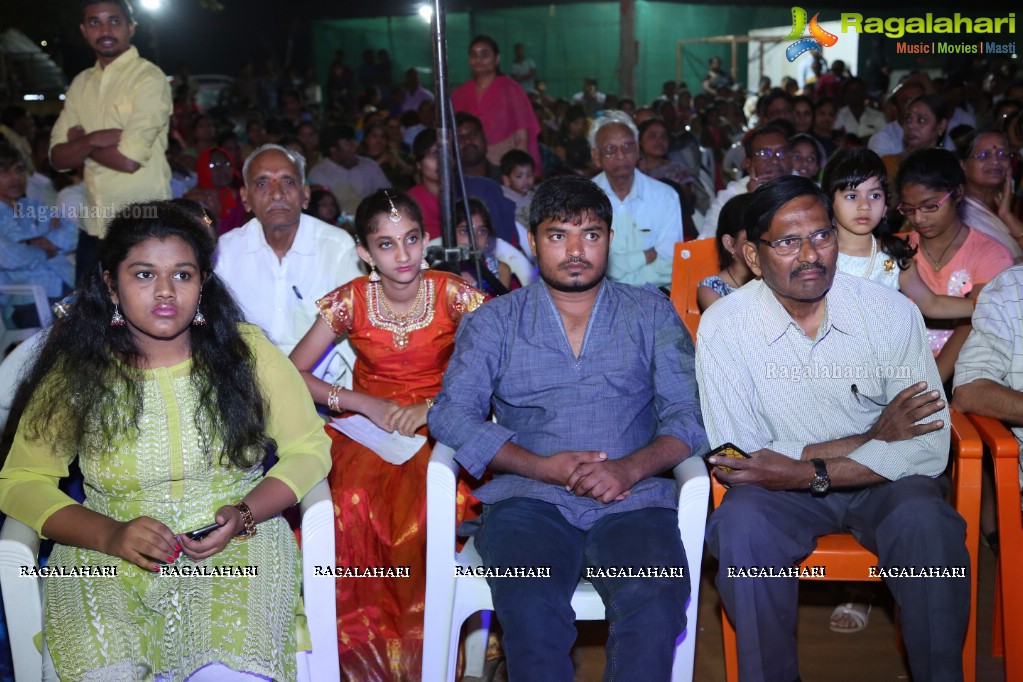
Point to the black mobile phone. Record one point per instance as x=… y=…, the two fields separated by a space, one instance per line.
x=727 y=450
x=200 y=533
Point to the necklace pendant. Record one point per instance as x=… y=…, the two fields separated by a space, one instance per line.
x=889 y=264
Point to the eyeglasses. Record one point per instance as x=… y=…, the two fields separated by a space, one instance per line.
x=771 y=153
x=907 y=210
x=611 y=151
x=790 y=246
x=219 y=164
x=996 y=154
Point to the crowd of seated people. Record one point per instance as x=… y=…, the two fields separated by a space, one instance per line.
x=325 y=208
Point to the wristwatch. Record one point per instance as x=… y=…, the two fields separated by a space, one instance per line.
x=821 y=483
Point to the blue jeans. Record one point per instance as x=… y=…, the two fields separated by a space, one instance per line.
x=646 y=614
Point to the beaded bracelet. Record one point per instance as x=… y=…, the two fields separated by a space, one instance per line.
x=334 y=398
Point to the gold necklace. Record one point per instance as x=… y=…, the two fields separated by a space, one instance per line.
x=383 y=316
x=937 y=263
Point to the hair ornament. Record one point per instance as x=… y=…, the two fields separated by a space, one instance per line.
x=394 y=216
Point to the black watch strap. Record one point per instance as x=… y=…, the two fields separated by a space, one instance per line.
x=821 y=482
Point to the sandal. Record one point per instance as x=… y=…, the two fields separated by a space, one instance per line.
x=859 y=612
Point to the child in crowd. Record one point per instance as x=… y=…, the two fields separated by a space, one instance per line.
x=857 y=183
x=806 y=153
x=401 y=322
x=730 y=237
x=486 y=242
x=518 y=171
x=953 y=258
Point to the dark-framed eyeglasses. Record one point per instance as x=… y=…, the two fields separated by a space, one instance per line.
x=907 y=210
x=220 y=164
x=790 y=246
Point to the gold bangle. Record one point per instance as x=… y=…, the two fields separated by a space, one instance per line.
x=250 y=524
x=334 y=398
x=429 y=403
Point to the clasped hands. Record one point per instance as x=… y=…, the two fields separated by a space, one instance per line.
x=587 y=473
x=146 y=542
x=390 y=416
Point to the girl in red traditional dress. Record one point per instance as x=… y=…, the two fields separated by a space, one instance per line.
x=401 y=321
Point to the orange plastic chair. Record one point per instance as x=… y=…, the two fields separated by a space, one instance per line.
x=848 y=560
x=694 y=261
x=1007 y=631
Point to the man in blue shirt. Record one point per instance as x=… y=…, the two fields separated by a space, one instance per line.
x=593 y=386
x=34 y=240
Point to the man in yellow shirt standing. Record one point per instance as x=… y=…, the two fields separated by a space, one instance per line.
x=115 y=119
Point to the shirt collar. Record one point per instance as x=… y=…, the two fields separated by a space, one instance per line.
x=122 y=60
x=303 y=244
x=635 y=192
x=839 y=302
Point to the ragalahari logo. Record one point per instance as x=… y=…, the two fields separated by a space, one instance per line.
x=818 y=40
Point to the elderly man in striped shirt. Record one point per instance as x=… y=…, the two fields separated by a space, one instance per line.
x=827 y=381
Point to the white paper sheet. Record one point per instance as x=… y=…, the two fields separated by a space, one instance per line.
x=391 y=447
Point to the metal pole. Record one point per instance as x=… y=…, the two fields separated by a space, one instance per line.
x=445 y=148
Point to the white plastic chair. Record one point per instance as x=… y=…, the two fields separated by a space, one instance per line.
x=450 y=600
x=19 y=546
x=42 y=304
x=10 y=372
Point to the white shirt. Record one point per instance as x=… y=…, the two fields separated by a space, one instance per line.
x=279 y=295
x=710 y=221
x=349 y=185
x=765 y=384
x=869 y=123
x=888 y=140
x=414 y=99
x=522 y=69
x=654 y=208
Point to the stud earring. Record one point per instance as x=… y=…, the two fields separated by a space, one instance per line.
x=199 y=320
x=423 y=265
x=374 y=276
x=117 y=320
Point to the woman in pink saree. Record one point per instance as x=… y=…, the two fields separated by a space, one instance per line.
x=499 y=102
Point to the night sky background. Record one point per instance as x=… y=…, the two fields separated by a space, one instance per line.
x=218 y=36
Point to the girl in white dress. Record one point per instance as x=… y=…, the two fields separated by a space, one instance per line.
x=857 y=183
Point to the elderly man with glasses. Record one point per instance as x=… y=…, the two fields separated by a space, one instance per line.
x=827 y=381
x=647 y=212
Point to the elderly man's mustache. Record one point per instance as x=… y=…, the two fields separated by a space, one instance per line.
x=806 y=267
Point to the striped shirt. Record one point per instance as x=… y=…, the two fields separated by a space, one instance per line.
x=765 y=384
x=994 y=349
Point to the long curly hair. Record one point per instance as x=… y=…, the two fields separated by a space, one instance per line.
x=85 y=381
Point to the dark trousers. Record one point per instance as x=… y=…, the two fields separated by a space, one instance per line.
x=646 y=614
x=86 y=257
x=905 y=522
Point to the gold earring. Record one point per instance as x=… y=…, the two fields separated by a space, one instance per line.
x=374 y=276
